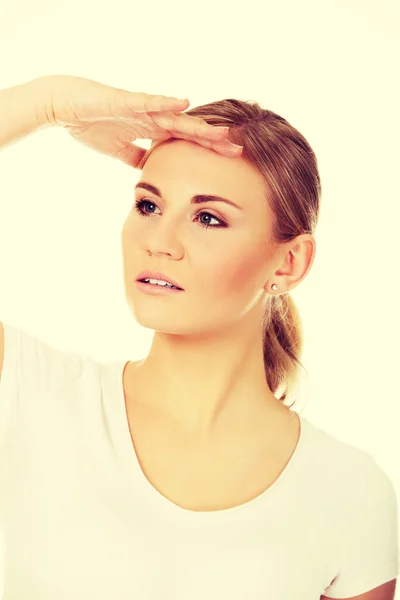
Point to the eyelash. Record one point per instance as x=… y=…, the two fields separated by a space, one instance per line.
x=140 y=203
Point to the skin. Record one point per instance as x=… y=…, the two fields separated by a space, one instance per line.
x=207 y=348
x=387 y=591
x=205 y=369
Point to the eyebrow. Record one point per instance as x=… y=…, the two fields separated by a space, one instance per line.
x=198 y=199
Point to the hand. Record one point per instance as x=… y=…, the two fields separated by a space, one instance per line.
x=109 y=119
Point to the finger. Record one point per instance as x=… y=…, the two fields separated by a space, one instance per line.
x=224 y=147
x=130 y=154
x=126 y=103
x=186 y=124
x=231 y=150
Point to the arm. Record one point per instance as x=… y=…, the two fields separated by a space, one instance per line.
x=105 y=118
x=369 y=562
x=383 y=592
x=22 y=110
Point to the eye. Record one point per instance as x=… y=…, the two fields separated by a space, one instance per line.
x=140 y=204
x=139 y=207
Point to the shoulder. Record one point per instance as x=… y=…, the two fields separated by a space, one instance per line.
x=333 y=448
x=340 y=465
x=31 y=363
x=354 y=502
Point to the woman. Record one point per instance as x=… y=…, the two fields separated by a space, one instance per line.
x=186 y=475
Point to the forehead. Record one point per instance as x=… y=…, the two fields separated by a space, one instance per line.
x=187 y=164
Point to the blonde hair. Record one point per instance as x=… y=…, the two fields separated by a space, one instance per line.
x=288 y=164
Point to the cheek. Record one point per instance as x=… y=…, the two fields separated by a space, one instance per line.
x=236 y=272
x=130 y=233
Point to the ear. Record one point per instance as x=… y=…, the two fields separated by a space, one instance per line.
x=298 y=256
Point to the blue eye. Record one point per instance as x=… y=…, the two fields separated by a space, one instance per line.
x=139 y=204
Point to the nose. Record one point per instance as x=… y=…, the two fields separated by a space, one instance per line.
x=163 y=239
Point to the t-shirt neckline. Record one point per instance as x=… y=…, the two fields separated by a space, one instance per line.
x=162 y=504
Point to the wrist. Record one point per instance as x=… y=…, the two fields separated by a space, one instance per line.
x=41 y=93
x=24 y=109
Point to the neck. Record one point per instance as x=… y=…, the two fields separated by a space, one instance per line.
x=207 y=381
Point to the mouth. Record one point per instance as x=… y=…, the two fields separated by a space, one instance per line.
x=154 y=289
x=157 y=279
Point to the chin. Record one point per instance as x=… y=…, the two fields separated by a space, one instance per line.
x=150 y=318
x=168 y=323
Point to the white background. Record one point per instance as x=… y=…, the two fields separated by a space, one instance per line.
x=328 y=67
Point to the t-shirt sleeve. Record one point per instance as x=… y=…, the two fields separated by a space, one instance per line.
x=31 y=368
x=371 y=544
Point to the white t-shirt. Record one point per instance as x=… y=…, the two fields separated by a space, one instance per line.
x=79 y=520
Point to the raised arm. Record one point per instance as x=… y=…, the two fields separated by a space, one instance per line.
x=23 y=110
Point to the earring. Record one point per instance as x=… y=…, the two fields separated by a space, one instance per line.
x=274 y=287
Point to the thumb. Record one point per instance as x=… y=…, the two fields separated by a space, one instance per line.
x=131 y=154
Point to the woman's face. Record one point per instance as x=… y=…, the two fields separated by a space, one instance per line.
x=222 y=269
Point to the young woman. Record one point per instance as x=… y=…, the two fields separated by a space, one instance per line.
x=186 y=475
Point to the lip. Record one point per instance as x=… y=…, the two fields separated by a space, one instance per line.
x=157 y=275
x=156 y=290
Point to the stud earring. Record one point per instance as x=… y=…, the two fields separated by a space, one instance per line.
x=274 y=287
